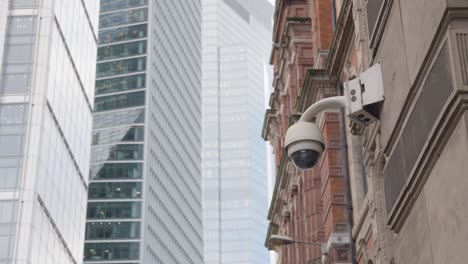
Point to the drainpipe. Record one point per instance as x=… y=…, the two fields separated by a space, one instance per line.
x=333 y=10
x=349 y=205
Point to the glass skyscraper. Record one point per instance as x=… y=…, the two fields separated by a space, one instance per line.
x=236 y=49
x=145 y=193
x=47 y=50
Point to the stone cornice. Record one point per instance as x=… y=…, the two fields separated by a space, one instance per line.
x=272 y=230
x=278 y=183
x=270 y=115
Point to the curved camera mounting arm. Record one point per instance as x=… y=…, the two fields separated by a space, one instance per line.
x=335 y=102
x=304 y=142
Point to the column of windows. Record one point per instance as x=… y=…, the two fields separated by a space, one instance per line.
x=114 y=209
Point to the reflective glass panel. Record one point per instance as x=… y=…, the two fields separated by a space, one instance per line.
x=9 y=177
x=19 y=54
x=120 y=84
x=12 y=114
x=111 y=251
x=114 y=210
x=118 y=118
x=10 y=145
x=119 y=134
x=24 y=3
x=15 y=83
x=114 y=190
x=112 y=5
x=116 y=171
x=121 y=67
x=123 y=18
x=117 y=152
x=122 y=50
x=112 y=230
x=117 y=101
x=21 y=25
x=122 y=34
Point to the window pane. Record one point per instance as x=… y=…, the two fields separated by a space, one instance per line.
x=21 y=25
x=116 y=171
x=10 y=145
x=119 y=101
x=18 y=54
x=117 y=152
x=111 y=251
x=116 y=135
x=12 y=114
x=21 y=39
x=17 y=68
x=118 y=118
x=122 y=34
x=120 y=84
x=24 y=3
x=114 y=210
x=15 y=83
x=112 y=5
x=120 y=67
x=121 y=50
x=122 y=18
x=112 y=230
x=8 y=177
x=114 y=190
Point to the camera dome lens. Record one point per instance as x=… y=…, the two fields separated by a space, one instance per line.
x=305 y=158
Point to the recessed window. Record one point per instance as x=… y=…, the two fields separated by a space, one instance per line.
x=117 y=152
x=123 y=17
x=121 y=50
x=116 y=171
x=112 y=230
x=114 y=210
x=120 y=67
x=123 y=34
x=118 y=118
x=114 y=190
x=119 y=101
x=111 y=251
x=120 y=134
x=120 y=84
x=112 y=5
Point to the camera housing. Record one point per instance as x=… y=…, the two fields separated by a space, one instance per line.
x=304 y=144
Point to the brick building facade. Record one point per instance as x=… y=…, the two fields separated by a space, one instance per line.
x=408 y=171
x=307 y=205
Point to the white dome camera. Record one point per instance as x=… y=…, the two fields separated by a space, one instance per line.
x=304 y=144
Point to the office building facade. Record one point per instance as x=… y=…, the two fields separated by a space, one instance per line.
x=236 y=41
x=46 y=97
x=145 y=193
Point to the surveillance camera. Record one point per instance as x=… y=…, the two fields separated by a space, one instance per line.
x=304 y=144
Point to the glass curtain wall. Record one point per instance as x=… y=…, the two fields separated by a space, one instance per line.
x=236 y=49
x=114 y=201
